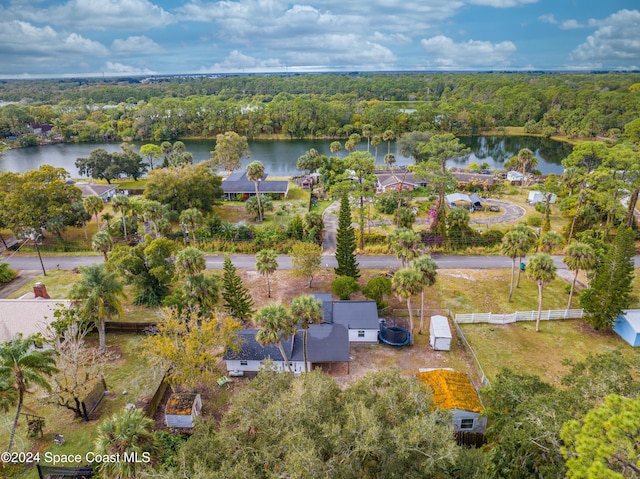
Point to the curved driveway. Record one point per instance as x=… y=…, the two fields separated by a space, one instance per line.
x=512 y=212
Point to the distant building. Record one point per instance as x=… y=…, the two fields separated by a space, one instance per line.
x=106 y=192
x=237 y=185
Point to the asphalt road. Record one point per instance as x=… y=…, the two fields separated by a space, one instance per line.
x=247 y=262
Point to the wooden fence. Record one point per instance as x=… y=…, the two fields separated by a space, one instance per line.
x=151 y=408
x=129 y=327
x=506 y=318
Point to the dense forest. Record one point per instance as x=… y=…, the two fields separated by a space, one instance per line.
x=322 y=105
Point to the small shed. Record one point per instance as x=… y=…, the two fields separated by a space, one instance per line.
x=453 y=391
x=627 y=325
x=539 y=197
x=440 y=333
x=182 y=409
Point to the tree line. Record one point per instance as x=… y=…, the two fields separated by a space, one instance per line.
x=326 y=106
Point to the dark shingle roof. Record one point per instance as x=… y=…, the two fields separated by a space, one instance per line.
x=238 y=182
x=325 y=343
x=356 y=314
x=327 y=306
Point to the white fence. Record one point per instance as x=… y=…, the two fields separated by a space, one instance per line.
x=505 y=318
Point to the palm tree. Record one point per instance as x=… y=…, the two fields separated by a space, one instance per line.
x=93 y=205
x=549 y=241
x=123 y=204
x=335 y=147
x=407 y=282
x=388 y=136
x=542 y=270
x=579 y=256
x=190 y=262
x=528 y=242
x=428 y=269
x=367 y=131
x=389 y=160
x=526 y=160
x=513 y=246
x=128 y=432
x=375 y=142
x=107 y=217
x=255 y=173
x=22 y=366
x=266 y=264
x=100 y=293
x=405 y=244
x=307 y=310
x=102 y=242
x=276 y=325
x=194 y=218
x=152 y=211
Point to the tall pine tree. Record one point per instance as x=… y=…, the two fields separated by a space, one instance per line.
x=237 y=300
x=610 y=290
x=346 y=242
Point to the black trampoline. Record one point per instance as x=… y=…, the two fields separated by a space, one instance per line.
x=394 y=335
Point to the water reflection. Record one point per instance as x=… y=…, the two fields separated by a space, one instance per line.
x=280 y=157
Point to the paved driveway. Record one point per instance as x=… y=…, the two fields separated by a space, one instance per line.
x=330 y=217
x=511 y=213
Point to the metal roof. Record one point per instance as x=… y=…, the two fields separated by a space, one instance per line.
x=237 y=182
x=440 y=327
x=356 y=314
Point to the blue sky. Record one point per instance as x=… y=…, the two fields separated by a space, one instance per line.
x=47 y=38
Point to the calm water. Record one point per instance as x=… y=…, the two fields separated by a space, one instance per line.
x=279 y=157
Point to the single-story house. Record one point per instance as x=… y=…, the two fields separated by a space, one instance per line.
x=397 y=181
x=360 y=318
x=464 y=178
x=237 y=185
x=453 y=391
x=514 y=176
x=182 y=409
x=440 y=333
x=30 y=314
x=540 y=197
x=307 y=181
x=106 y=192
x=627 y=325
x=326 y=344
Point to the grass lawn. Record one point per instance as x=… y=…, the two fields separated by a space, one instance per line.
x=484 y=291
x=518 y=347
x=57 y=281
x=127 y=371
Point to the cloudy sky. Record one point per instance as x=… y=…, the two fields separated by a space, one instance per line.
x=46 y=38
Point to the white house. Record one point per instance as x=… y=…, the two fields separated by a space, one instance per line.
x=514 y=176
x=182 y=409
x=327 y=344
x=360 y=318
x=453 y=391
x=540 y=197
x=440 y=333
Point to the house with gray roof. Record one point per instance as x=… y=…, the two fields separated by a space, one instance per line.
x=360 y=318
x=237 y=185
x=327 y=344
x=106 y=192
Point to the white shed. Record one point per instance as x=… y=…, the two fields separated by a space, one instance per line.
x=182 y=409
x=539 y=197
x=440 y=333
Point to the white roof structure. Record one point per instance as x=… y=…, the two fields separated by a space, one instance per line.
x=28 y=315
x=440 y=326
x=633 y=319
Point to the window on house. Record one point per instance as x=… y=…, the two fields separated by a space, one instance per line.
x=244 y=363
x=361 y=334
x=466 y=424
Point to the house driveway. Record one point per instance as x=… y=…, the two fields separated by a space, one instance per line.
x=512 y=212
x=330 y=217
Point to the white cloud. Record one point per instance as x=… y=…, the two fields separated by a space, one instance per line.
x=616 y=40
x=136 y=44
x=501 y=3
x=237 y=61
x=571 y=25
x=548 y=18
x=447 y=54
x=117 y=68
x=395 y=38
x=100 y=15
x=25 y=38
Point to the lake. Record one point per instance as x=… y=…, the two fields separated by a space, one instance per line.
x=279 y=157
